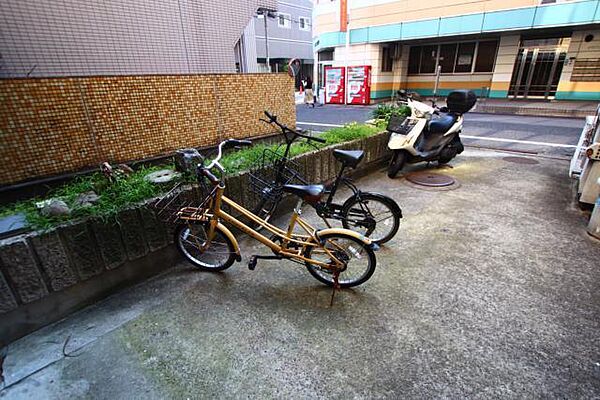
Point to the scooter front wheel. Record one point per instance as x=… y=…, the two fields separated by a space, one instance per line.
x=396 y=163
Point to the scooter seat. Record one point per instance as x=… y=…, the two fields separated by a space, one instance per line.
x=349 y=158
x=309 y=193
x=442 y=124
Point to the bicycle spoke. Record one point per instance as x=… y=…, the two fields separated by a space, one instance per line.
x=373 y=218
x=215 y=255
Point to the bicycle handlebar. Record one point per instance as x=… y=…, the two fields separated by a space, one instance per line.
x=209 y=175
x=284 y=128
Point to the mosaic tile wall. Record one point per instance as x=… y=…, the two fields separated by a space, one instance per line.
x=50 y=126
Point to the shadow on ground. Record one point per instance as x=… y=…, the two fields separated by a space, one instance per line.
x=488 y=291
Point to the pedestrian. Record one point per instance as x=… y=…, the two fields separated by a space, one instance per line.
x=309 y=98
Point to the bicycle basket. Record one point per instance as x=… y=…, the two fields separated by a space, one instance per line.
x=272 y=172
x=191 y=197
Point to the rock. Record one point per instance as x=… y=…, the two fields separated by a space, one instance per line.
x=162 y=176
x=107 y=170
x=86 y=199
x=54 y=208
x=186 y=160
x=125 y=169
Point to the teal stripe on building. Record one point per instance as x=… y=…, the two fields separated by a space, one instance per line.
x=550 y=15
x=594 y=96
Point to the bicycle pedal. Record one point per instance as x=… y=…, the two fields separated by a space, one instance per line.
x=252 y=263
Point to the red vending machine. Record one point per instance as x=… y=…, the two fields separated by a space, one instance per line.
x=359 y=85
x=334 y=85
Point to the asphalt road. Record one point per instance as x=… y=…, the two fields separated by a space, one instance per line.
x=554 y=137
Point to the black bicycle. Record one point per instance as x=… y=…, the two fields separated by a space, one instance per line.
x=372 y=214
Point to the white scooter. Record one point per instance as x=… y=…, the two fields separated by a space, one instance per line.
x=429 y=133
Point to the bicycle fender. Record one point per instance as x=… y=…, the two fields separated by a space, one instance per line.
x=378 y=196
x=348 y=232
x=230 y=236
x=374 y=246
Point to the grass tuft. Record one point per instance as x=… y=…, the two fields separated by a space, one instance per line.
x=133 y=189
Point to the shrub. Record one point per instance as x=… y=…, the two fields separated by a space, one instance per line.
x=385 y=111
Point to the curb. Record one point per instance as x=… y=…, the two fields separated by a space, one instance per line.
x=530 y=111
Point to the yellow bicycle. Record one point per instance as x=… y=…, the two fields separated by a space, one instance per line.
x=337 y=257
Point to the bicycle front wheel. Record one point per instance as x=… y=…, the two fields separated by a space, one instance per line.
x=219 y=254
x=358 y=258
x=373 y=215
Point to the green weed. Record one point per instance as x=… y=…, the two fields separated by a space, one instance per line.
x=133 y=189
x=385 y=111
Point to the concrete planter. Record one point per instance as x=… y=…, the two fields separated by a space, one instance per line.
x=44 y=276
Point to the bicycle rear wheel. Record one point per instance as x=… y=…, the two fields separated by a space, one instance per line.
x=219 y=255
x=372 y=215
x=359 y=260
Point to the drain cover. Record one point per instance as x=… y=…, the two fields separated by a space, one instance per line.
x=430 y=179
x=520 y=160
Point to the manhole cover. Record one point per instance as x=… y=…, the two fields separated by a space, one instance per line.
x=520 y=160
x=430 y=179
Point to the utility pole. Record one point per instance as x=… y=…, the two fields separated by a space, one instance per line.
x=266 y=14
x=267 y=43
x=345 y=25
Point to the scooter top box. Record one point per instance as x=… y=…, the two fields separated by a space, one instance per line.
x=461 y=101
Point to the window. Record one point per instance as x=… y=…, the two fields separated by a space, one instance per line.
x=387 y=59
x=325 y=55
x=284 y=20
x=447 y=57
x=464 y=58
x=428 y=59
x=304 y=24
x=414 y=59
x=486 y=54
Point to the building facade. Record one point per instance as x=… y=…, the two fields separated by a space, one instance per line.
x=65 y=38
x=498 y=48
x=289 y=33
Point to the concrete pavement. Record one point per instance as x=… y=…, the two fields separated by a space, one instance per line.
x=489 y=290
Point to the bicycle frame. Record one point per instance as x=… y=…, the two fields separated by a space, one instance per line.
x=214 y=214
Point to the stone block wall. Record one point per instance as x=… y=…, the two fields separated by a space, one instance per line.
x=50 y=126
x=44 y=276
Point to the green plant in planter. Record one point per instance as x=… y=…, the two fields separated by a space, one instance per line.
x=245 y=159
x=113 y=197
x=132 y=189
x=385 y=111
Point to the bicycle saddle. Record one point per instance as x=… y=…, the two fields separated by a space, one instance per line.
x=309 y=193
x=351 y=158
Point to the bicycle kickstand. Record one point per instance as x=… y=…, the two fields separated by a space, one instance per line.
x=254 y=259
x=336 y=286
